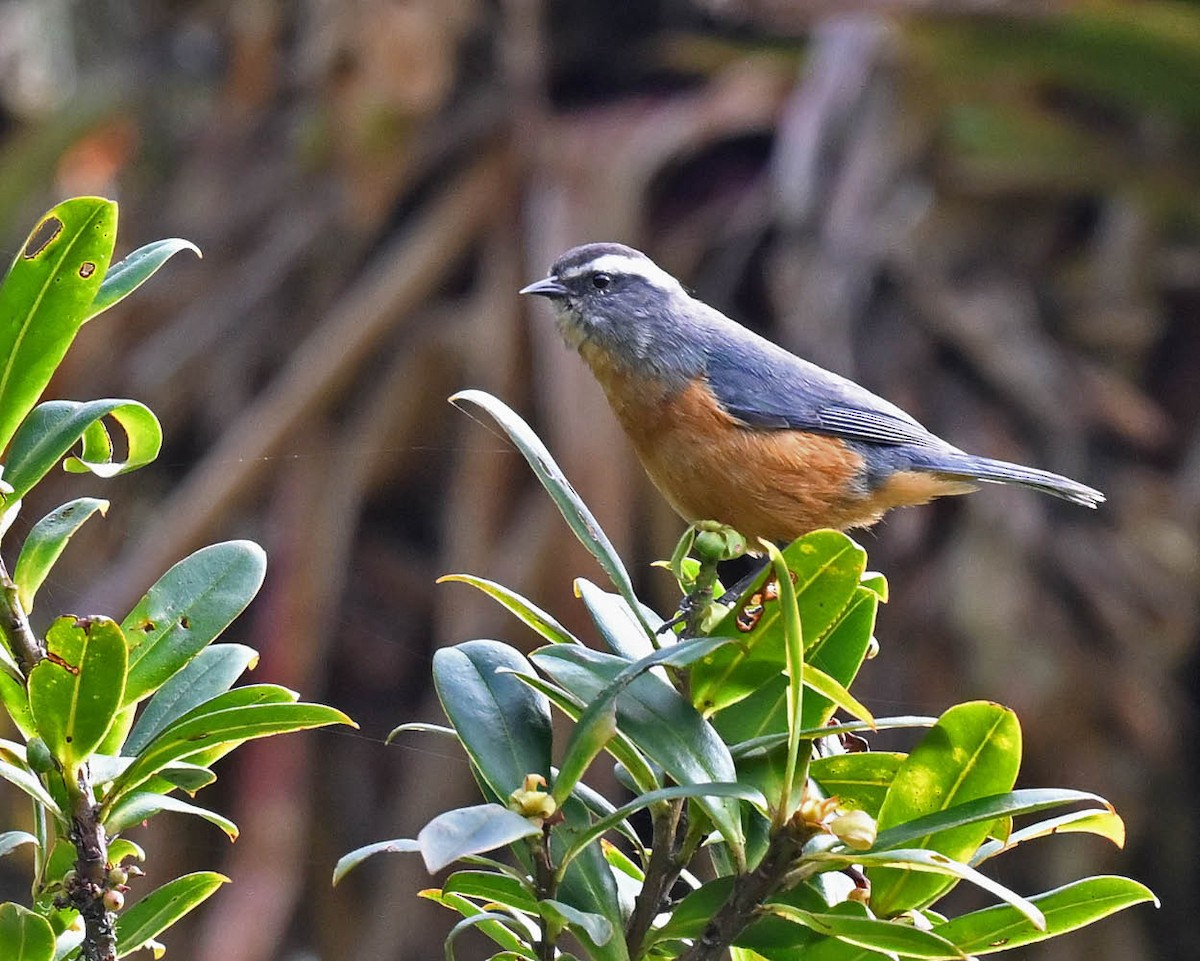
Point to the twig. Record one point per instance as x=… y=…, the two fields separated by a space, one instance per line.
x=86 y=890
x=14 y=623
x=748 y=894
x=661 y=874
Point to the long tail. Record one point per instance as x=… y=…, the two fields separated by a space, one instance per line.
x=969 y=467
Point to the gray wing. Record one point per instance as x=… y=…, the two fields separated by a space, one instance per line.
x=765 y=386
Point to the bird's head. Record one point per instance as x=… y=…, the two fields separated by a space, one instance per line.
x=617 y=299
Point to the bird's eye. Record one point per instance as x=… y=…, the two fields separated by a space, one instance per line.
x=601 y=281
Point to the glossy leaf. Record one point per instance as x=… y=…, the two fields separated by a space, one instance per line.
x=619 y=627
x=973 y=751
x=1001 y=928
x=211 y=672
x=917 y=861
x=210 y=731
x=865 y=932
x=524 y=610
x=499 y=927
x=860 y=779
x=1105 y=824
x=488 y=886
x=979 y=811
x=127 y=275
x=794 y=669
x=75 y=692
x=162 y=907
x=827 y=567
x=348 y=862
x=54 y=427
x=15 y=770
x=504 y=726
x=188 y=608
x=839 y=653
x=741 y=792
x=588 y=883
x=46 y=541
x=44 y=299
x=24 y=936
x=597 y=725
x=664 y=726
x=569 y=503
x=620 y=747
x=142 y=805
x=11 y=840
x=471 y=830
x=595 y=927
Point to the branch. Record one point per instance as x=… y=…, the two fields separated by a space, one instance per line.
x=14 y=625
x=661 y=875
x=88 y=890
x=748 y=894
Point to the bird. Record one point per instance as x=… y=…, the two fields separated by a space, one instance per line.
x=731 y=427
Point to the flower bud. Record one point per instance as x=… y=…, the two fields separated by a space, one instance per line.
x=114 y=900
x=531 y=801
x=855 y=829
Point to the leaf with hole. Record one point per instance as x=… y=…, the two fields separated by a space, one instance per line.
x=45 y=296
x=187 y=609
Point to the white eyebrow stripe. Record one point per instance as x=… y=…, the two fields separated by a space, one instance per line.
x=642 y=267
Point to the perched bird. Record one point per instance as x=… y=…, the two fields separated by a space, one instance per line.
x=733 y=428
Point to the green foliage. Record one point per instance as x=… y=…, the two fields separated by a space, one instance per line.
x=93 y=765
x=727 y=738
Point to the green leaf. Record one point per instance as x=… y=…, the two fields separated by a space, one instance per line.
x=24 y=936
x=11 y=840
x=569 y=503
x=795 y=670
x=471 y=830
x=827 y=568
x=661 y=723
x=524 y=610
x=348 y=862
x=489 y=886
x=620 y=747
x=597 y=830
x=915 y=861
x=186 y=609
x=597 y=725
x=126 y=276
x=860 y=779
x=979 y=811
x=46 y=542
x=161 y=908
x=587 y=884
x=897 y=938
x=504 y=726
x=839 y=653
x=54 y=427
x=620 y=629
x=15 y=770
x=142 y=805
x=44 y=299
x=75 y=692
x=597 y=928
x=1072 y=906
x=1105 y=824
x=211 y=672
x=492 y=923
x=973 y=751
x=207 y=732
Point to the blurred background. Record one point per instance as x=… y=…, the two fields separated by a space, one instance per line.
x=987 y=211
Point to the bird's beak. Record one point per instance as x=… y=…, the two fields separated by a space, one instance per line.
x=546 y=287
